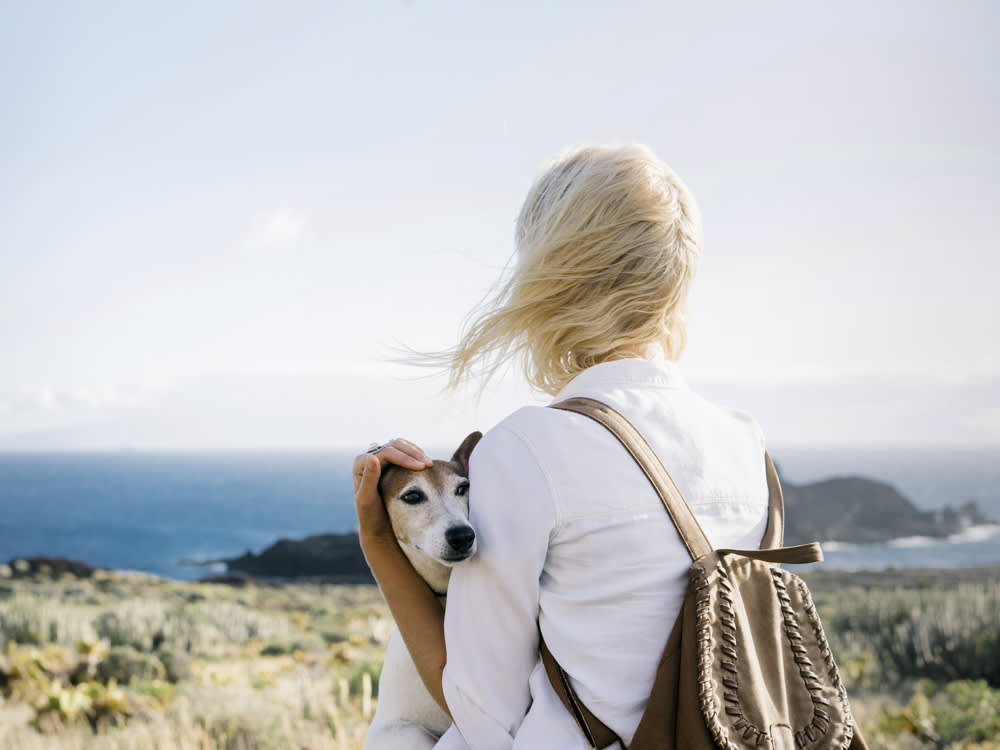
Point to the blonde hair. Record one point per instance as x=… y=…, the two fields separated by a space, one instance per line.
x=608 y=242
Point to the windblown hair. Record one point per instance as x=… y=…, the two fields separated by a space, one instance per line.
x=608 y=242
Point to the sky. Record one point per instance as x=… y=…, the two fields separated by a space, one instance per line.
x=222 y=222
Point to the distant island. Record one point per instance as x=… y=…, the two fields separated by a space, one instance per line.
x=845 y=509
x=864 y=511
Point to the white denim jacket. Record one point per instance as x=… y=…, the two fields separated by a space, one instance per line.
x=573 y=539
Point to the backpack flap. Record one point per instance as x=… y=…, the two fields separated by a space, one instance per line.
x=765 y=673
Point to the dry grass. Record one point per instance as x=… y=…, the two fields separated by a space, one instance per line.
x=269 y=667
x=296 y=666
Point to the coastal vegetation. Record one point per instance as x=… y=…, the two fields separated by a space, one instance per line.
x=127 y=661
x=120 y=661
x=919 y=651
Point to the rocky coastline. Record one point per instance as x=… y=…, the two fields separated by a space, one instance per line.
x=850 y=509
x=846 y=509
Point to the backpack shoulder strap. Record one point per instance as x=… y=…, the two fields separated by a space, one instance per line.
x=775 y=532
x=680 y=513
x=598 y=735
x=596 y=732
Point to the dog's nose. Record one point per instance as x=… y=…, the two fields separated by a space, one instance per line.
x=460 y=538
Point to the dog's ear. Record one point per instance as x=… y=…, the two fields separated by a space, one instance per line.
x=465 y=450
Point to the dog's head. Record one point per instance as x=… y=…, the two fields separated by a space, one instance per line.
x=429 y=513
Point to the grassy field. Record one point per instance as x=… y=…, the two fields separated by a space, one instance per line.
x=125 y=661
x=120 y=661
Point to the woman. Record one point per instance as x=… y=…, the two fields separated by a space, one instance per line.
x=572 y=538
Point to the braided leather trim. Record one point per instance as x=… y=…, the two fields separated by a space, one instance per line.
x=729 y=662
x=821 y=720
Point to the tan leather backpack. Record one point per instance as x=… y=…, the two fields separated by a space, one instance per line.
x=746 y=664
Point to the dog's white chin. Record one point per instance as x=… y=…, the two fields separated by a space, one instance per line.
x=432 y=569
x=443 y=558
x=454 y=561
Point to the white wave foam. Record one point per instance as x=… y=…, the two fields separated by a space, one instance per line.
x=972 y=534
x=833 y=546
x=976 y=533
x=913 y=541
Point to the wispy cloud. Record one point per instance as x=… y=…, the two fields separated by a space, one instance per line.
x=983 y=422
x=743 y=374
x=280 y=230
x=32 y=400
x=45 y=399
x=285 y=366
x=343 y=405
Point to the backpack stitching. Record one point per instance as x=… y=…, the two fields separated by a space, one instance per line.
x=820 y=727
x=706 y=695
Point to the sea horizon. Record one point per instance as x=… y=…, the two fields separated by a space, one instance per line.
x=149 y=510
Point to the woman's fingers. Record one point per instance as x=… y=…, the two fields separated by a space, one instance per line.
x=373 y=521
x=398 y=451
x=366 y=475
x=358 y=470
x=366 y=495
x=407 y=448
x=403 y=454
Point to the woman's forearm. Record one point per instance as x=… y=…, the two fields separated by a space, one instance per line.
x=417 y=611
x=414 y=606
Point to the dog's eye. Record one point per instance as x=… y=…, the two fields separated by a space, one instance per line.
x=462 y=489
x=412 y=497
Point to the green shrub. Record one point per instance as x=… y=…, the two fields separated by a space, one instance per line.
x=276 y=649
x=306 y=642
x=960 y=714
x=889 y=637
x=38 y=620
x=136 y=623
x=373 y=668
x=21 y=624
x=124 y=664
x=330 y=626
x=176 y=663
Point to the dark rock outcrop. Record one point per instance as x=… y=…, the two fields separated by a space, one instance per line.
x=336 y=558
x=48 y=567
x=230 y=579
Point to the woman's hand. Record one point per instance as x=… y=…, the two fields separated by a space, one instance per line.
x=414 y=606
x=373 y=521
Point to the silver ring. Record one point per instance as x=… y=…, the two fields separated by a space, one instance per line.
x=374 y=448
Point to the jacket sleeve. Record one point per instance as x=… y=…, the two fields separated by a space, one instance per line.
x=491 y=630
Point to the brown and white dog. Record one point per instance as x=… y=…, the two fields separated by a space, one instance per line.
x=429 y=513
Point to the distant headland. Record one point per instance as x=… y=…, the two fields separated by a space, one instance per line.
x=863 y=511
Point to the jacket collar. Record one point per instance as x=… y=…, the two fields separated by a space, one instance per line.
x=664 y=373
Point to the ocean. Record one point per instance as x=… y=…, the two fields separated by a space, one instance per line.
x=151 y=511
